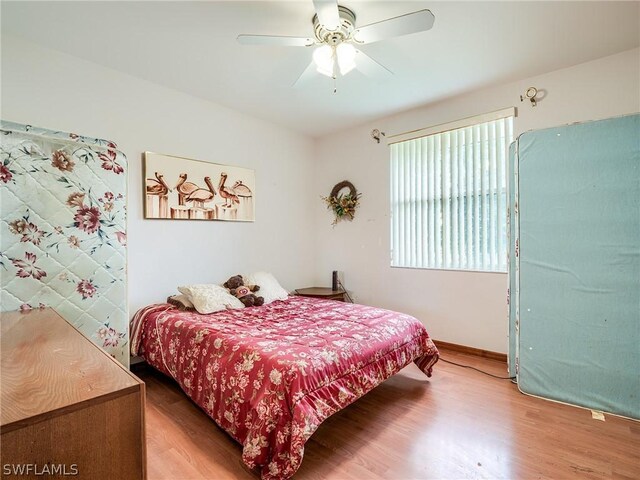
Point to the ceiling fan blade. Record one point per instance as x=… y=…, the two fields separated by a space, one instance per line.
x=328 y=14
x=275 y=40
x=395 y=27
x=370 y=67
x=307 y=75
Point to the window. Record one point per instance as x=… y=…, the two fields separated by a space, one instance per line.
x=449 y=195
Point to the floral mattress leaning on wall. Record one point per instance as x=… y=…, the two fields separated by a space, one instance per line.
x=270 y=375
x=62 y=230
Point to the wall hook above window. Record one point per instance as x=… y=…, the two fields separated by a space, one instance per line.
x=530 y=94
x=376 y=134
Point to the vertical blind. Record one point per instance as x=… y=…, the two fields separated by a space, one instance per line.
x=449 y=198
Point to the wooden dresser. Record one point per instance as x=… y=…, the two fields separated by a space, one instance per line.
x=67 y=407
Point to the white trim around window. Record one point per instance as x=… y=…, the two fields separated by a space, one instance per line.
x=443 y=127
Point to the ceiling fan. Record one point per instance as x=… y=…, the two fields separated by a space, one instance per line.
x=335 y=36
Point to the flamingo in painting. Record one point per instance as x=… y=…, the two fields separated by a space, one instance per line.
x=241 y=190
x=202 y=195
x=157 y=186
x=159 y=189
x=184 y=188
x=244 y=194
x=227 y=193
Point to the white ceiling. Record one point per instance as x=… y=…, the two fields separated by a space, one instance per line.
x=191 y=47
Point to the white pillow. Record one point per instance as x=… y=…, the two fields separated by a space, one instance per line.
x=270 y=289
x=210 y=298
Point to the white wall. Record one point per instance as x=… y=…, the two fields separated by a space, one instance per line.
x=53 y=90
x=459 y=307
x=49 y=89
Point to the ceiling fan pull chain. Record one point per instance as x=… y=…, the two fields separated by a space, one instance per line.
x=335 y=86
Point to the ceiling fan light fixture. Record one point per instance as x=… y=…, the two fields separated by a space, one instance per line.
x=335 y=31
x=346 y=54
x=324 y=58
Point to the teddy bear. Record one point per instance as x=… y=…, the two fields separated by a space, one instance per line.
x=243 y=292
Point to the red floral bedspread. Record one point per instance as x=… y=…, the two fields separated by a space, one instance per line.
x=270 y=375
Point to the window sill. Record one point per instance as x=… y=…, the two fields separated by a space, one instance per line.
x=450 y=270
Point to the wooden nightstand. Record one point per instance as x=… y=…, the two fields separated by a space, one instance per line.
x=321 y=292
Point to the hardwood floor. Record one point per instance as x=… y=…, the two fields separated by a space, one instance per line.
x=459 y=424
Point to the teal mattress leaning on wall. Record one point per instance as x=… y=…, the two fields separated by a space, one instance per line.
x=511 y=259
x=575 y=279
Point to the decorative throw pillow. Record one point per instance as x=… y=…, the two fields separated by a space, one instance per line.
x=210 y=298
x=270 y=289
x=181 y=301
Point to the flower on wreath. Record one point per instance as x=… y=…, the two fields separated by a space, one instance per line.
x=343 y=205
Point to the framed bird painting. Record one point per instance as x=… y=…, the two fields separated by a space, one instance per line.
x=179 y=188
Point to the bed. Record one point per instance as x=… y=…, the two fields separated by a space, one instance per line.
x=270 y=375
